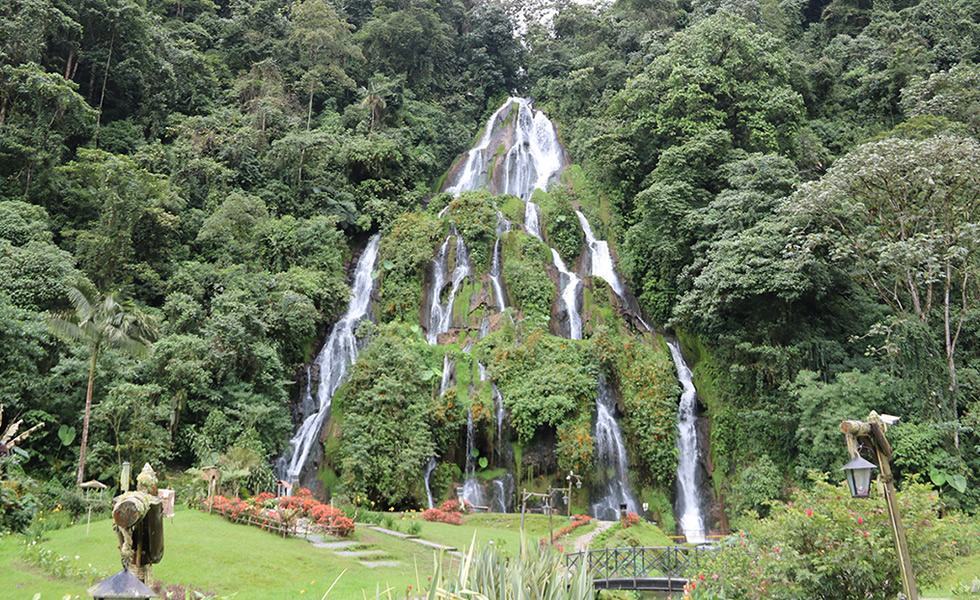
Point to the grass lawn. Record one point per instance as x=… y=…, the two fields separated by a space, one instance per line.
x=20 y=580
x=211 y=554
x=965 y=570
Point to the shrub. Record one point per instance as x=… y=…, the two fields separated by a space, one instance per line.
x=824 y=544
x=442 y=516
x=283 y=512
x=577 y=521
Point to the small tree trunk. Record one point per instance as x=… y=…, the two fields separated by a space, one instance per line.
x=309 y=110
x=88 y=414
x=105 y=79
x=68 y=63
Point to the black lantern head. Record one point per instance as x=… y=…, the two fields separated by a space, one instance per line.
x=858 y=473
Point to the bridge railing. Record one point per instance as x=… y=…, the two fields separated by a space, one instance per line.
x=668 y=562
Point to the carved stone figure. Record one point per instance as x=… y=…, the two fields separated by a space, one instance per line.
x=138 y=522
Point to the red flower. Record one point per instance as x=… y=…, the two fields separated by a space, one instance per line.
x=809 y=512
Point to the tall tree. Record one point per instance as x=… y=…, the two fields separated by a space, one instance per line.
x=100 y=320
x=325 y=50
x=903 y=217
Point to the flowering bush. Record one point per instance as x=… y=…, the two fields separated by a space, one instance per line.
x=455 y=506
x=629 y=519
x=442 y=516
x=284 y=511
x=825 y=544
x=577 y=521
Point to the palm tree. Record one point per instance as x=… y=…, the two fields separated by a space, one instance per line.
x=102 y=320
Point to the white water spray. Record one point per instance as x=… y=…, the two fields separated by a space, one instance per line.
x=338 y=353
x=571 y=288
x=688 y=495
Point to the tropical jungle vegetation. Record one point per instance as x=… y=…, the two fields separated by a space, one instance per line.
x=791 y=188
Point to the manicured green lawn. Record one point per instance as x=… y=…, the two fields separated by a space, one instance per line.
x=965 y=570
x=211 y=554
x=19 y=580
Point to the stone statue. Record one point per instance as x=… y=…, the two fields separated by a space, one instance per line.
x=138 y=522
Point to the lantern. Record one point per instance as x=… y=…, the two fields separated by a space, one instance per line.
x=858 y=473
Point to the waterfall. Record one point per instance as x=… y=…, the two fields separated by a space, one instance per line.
x=503 y=489
x=500 y=413
x=571 y=287
x=532 y=219
x=611 y=461
x=441 y=315
x=498 y=289
x=600 y=259
x=474 y=171
x=338 y=352
x=688 y=494
x=534 y=157
x=447 y=374
x=429 y=468
x=472 y=490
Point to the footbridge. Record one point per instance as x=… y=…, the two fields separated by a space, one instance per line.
x=665 y=568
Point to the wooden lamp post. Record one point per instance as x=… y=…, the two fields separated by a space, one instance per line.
x=874 y=432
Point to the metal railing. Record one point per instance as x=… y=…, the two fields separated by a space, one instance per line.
x=669 y=562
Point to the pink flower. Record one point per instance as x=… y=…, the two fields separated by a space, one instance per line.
x=860 y=520
x=809 y=512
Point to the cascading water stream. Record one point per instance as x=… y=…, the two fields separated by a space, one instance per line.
x=447 y=374
x=532 y=219
x=600 y=259
x=441 y=315
x=496 y=267
x=688 y=494
x=474 y=171
x=611 y=460
x=571 y=288
x=338 y=353
x=427 y=476
x=472 y=490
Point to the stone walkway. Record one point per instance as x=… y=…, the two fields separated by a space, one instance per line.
x=345 y=548
x=583 y=541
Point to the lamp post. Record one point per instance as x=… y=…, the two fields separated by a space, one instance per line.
x=121 y=585
x=578 y=484
x=859 y=480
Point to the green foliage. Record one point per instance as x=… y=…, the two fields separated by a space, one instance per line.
x=562 y=227
x=475 y=218
x=131 y=425
x=402 y=258
x=575 y=448
x=543 y=380
x=757 y=485
x=496 y=576
x=822 y=406
x=387 y=436
x=823 y=543
x=647 y=384
x=528 y=286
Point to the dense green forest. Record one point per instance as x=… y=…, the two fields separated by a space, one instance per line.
x=793 y=187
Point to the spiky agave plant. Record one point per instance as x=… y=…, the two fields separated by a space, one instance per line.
x=8 y=435
x=539 y=574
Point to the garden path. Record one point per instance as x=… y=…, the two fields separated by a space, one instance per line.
x=582 y=542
